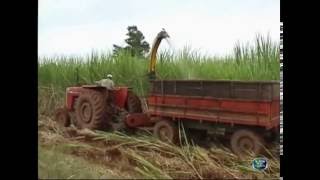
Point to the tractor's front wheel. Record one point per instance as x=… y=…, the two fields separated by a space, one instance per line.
x=62 y=117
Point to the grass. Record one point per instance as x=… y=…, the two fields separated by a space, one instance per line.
x=54 y=164
x=256 y=61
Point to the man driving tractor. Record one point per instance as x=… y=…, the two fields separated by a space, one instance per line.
x=108 y=83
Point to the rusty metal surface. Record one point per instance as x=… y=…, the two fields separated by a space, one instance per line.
x=230 y=111
x=251 y=90
x=198 y=103
x=121 y=94
x=137 y=119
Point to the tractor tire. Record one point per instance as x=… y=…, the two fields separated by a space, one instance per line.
x=166 y=131
x=133 y=104
x=91 y=110
x=61 y=116
x=244 y=141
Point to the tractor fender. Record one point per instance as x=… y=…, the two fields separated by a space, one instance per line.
x=71 y=94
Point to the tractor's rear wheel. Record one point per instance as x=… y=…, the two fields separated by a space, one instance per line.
x=244 y=141
x=62 y=117
x=133 y=104
x=166 y=131
x=91 y=110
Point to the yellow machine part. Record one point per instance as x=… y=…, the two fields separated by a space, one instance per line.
x=152 y=66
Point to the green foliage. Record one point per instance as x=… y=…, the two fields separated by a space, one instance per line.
x=137 y=46
x=259 y=61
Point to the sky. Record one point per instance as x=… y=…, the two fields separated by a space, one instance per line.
x=211 y=27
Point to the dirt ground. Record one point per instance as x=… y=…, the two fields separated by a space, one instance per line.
x=73 y=153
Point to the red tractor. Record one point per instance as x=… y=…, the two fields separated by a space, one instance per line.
x=95 y=107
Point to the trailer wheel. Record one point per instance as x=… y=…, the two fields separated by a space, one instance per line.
x=245 y=141
x=61 y=116
x=166 y=131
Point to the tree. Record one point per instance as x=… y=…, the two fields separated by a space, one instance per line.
x=137 y=46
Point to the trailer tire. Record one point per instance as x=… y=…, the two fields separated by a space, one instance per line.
x=244 y=141
x=166 y=131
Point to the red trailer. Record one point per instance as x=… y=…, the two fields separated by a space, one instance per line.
x=246 y=111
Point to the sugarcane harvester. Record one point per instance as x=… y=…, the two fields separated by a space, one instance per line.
x=245 y=112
